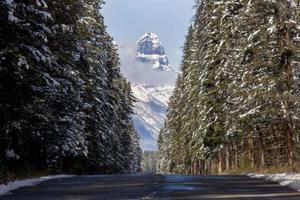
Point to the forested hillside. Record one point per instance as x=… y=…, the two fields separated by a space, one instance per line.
x=64 y=104
x=236 y=105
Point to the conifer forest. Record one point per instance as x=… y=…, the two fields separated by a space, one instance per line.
x=236 y=105
x=65 y=107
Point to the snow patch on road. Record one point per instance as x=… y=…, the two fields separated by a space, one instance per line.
x=285 y=179
x=4 y=189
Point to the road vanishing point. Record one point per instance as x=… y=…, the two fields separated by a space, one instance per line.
x=131 y=187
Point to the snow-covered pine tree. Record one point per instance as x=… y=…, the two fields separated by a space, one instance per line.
x=268 y=89
x=69 y=140
x=55 y=103
x=28 y=84
x=175 y=137
x=244 y=89
x=92 y=57
x=120 y=100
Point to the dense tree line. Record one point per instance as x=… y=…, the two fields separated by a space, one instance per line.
x=149 y=162
x=237 y=99
x=64 y=104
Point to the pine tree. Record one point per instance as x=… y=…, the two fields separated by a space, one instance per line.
x=27 y=70
x=239 y=85
x=65 y=106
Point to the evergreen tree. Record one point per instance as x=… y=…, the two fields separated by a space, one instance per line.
x=235 y=103
x=65 y=106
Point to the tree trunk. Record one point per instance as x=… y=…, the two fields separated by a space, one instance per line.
x=261 y=151
x=235 y=156
x=202 y=164
x=220 y=162
x=251 y=148
x=289 y=133
x=208 y=166
x=288 y=74
x=242 y=154
x=227 y=158
x=290 y=149
x=214 y=166
x=195 y=168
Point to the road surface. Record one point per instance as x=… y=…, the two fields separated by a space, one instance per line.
x=154 y=187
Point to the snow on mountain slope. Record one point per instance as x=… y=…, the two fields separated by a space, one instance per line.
x=152 y=100
x=150 y=112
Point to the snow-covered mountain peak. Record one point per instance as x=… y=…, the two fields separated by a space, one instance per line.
x=151 y=51
x=152 y=100
x=150 y=37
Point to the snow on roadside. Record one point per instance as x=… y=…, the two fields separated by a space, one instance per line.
x=4 y=189
x=285 y=179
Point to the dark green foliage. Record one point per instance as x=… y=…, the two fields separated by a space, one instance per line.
x=64 y=104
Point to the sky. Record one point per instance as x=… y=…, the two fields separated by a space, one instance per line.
x=128 y=20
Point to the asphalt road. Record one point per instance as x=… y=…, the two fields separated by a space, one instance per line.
x=154 y=187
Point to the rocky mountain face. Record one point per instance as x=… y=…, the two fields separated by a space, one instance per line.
x=151 y=51
x=152 y=100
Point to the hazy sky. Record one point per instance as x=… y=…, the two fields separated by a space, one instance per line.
x=128 y=20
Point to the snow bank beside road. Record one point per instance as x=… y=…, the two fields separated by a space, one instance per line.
x=4 y=189
x=285 y=179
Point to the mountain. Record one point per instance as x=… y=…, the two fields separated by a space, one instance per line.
x=152 y=100
x=151 y=51
x=150 y=112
